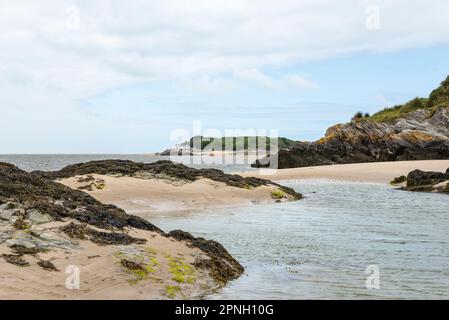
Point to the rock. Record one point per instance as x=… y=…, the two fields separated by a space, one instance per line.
x=39 y=215
x=34 y=192
x=35 y=217
x=421 y=134
x=45 y=241
x=399 y=180
x=167 y=170
x=430 y=181
x=47 y=265
x=79 y=231
x=221 y=265
x=15 y=259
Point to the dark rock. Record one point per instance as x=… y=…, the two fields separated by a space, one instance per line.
x=417 y=130
x=82 y=232
x=47 y=265
x=221 y=265
x=21 y=250
x=418 y=180
x=398 y=180
x=34 y=191
x=15 y=259
x=134 y=266
x=367 y=141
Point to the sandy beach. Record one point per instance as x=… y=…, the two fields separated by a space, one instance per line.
x=148 y=196
x=376 y=172
x=100 y=274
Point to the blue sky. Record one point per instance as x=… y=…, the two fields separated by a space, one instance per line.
x=114 y=80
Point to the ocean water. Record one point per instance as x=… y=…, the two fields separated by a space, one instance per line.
x=319 y=247
x=51 y=162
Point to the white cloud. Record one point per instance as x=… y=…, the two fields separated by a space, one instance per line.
x=124 y=42
x=214 y=45
x=254 y=75
x=299 y=82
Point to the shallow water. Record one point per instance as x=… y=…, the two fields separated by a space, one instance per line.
x=320 y=247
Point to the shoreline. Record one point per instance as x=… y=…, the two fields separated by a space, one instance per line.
x=374 y=172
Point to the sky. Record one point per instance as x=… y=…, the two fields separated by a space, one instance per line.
x=125 y=76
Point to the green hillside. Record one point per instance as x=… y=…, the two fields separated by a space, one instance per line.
x=438 y=98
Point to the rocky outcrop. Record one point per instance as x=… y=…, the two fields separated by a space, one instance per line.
x=162 y=170
x=39 y=216
x=428 y=181
x=419 y=136
x=36 y=194
x=418 y=130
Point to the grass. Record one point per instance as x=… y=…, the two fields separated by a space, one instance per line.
x=439 y=98
x=400 y=111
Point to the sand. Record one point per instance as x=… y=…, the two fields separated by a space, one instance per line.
x=377 y=172
x=101 y=275
x=142 y=196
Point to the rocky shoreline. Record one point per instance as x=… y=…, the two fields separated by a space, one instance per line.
x=417 y=130
x=44 y=223
x=38 y=216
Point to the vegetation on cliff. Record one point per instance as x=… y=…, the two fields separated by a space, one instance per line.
x=417 y=130
x=439 y=98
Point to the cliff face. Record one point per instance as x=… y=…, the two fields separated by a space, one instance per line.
x=420 y=134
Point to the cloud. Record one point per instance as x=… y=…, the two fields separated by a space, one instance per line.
x=254 y=75
x=120 y=43
x=300 y=82
x=55 y=54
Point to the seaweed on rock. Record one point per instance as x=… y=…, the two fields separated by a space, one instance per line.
x=162 y=168
x=34 y=191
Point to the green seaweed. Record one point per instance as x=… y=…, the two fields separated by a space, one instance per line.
x=278 y=194
x=171 y=291
x=181 y=271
